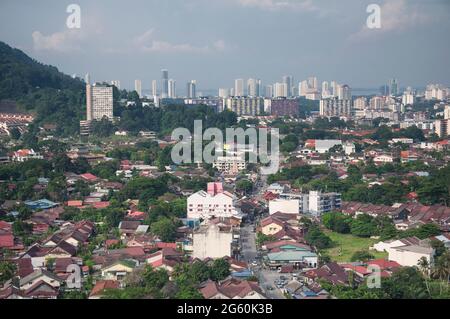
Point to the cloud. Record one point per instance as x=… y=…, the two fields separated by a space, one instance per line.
x=275 y=5
x=64 y=41
x=147 y=42
x=396 y=16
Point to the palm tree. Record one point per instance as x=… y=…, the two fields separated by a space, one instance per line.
x=441 y=270
x=424 y=267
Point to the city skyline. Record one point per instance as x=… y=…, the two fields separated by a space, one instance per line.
x=155 y=35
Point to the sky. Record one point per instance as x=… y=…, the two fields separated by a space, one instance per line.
x=217 y=41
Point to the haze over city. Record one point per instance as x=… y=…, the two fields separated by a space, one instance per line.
x=218 y=41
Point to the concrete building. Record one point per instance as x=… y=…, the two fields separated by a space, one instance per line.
x=165 y=83
x=286 y=206
x=99 y=102
x=214 y=202
x=212 y=241
x=172 y=89
x=284 y=107
x=314 y=203
x=410 y=255
x=191 y=89
x=138 y=87
x=335 y=108
x=230 y=164
x=244 y=105
x=239 y=87
x=442 y=127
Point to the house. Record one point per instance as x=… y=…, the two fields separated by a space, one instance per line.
x=271 y=226
x=166 y=258
x=88 y=177
x=232 y=289
x=40 y=275
x=41 y=290
x=411 y=254
x=384 y=246
x=330 y=272
x=23 y=155
x=128 y=227
x=119 y=269
x=101 y=286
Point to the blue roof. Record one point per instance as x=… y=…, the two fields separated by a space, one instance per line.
x=244 y=273
x=40 y=204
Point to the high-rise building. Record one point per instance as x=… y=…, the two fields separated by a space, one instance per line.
x=325 y=90
x=88 y=98
x=393 y=87
x=334 y=88
x=447 y=112
x=377 y=103
x=171 y=85
x=312 y=83
x=252 y=87
x=268 y=91
x=138 y=87
x=101 y=101
x=244 y=105
x=409 y=97
x=287 y=81
x=360 y=103
x=191 y=88
x=224 y=92
x=165 y=83
x=154 y=88
x=344 y=92
x=116 y=83
x=280 y=90
x=335 y=107
x=442 y=127
x=239 y=87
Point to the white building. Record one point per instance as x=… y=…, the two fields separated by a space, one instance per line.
x=230 y=164
x=323 y=146
x=335 y=107
x=244 y=105
x=25 y=154
x=315 y=203
x=101 y=98
x=286 y=206
x=212 y=241
x=214 y=202
x=138 y=87
x=410 y=255
x=239 y=87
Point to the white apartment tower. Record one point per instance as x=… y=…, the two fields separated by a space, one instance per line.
x=138 y=87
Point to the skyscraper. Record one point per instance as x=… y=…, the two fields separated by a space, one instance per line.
x=191 y=89
x=99 y=102
x=287 y=80
x=165 y=83
x=268 y=91
x=393 y=87
x=154 y=88
x=88 y=98
x=280 y=90
x=171 y=89
x=138 y=87
x=239 y=87
x=325 y=90
x=251 y=87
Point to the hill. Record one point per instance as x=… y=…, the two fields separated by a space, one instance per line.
x=53 y=97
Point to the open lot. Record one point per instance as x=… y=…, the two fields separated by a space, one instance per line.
x=345 y=245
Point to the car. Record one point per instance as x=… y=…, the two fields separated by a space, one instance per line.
x=254 y=263
x=269 y=287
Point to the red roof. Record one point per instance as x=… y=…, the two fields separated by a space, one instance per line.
x=6 y=240
x=100 y=205
x=89 y=177
x=101 y=285
x=75 y=203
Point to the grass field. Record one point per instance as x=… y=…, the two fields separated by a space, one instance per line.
x=346 y=245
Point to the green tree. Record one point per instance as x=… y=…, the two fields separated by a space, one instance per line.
x=165 y=229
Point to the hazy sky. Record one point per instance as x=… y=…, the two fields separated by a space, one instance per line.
x=216 y=41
